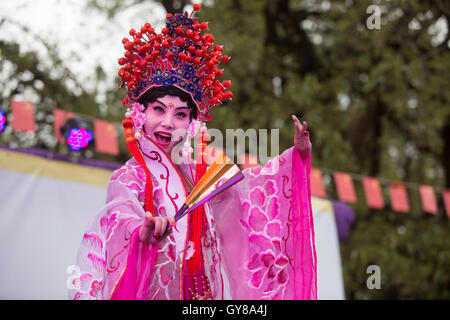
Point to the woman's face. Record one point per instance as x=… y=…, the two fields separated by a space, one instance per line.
x=165 y=117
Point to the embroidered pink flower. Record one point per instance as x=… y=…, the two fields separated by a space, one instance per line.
x=118 y=173
x=171 y=253
x=255 y=263
x=273 y=207
x=257 y=278
x=97 y=262
x=77 y=296
x=255 y=171
x=267 y=259
x=268 y=264
x=245 y=207
x=273 y=229
x=257 y=197
x=165 y=274
x=130 y=176
x=96 y=289
x=93 y=240
x=270 y=187
x=257 y=219
x=260 y=242
x=107 y=224
x=82 y=283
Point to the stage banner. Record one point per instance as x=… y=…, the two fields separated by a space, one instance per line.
x=23 y=116
x=317 y=188
x=46 y=206
x=429 y=203
x=106 y=138
x=446 y=197
x=345 y=188
x=373 y=193
x=399 y=196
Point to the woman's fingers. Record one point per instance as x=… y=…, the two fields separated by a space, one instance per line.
x=171 y=220
x=163 y=227
x=147 y=227
x=170 y=224
x=299 y=128
x=156 y=227
x=157 y=230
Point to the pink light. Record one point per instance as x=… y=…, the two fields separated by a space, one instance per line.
x=79 y=138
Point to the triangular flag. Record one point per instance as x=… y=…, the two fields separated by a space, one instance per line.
x=60 y=117
x=317 y=188
x=106 y=137
x=345 y=188
x=23 y=116
x=248 y=161
x=372 y=190
x=399 y=197
x=446 y=196
x=429 y=203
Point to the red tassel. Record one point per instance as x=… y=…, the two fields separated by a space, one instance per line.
x=132 y=145
x=197 y=217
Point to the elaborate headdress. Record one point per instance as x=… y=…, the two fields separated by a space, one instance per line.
x=179 y=56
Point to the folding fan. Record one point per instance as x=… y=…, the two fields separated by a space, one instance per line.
x=222 y=174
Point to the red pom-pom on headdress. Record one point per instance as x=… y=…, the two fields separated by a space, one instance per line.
x=179 y=56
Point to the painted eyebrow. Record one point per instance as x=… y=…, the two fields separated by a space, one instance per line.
x=175 y=108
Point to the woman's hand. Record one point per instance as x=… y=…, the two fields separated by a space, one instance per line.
x=301 y=138
x=154 y=229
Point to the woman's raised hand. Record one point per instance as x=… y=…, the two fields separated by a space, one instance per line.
x=301 y=138
x=154 y=229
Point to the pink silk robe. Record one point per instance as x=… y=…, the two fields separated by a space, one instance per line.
x=260 y=230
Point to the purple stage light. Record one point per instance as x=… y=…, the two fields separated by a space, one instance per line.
x=2 y=121
x=78 y=138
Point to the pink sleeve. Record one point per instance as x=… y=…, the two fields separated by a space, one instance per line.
x=265 y=230
x=112 y=262
x=134 y=282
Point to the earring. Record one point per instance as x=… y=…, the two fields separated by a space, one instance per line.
x=193 y=128
x=138 y=116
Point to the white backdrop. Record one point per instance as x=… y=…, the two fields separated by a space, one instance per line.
x=44 y=212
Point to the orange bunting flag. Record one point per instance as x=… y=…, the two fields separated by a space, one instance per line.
x=446 y=196
x=106 y=137
x=317 y=188
x=345 y=188
x=60 y=116
x=429 y=203
x=374 y=196
x=399 y=197
x=23 y=116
